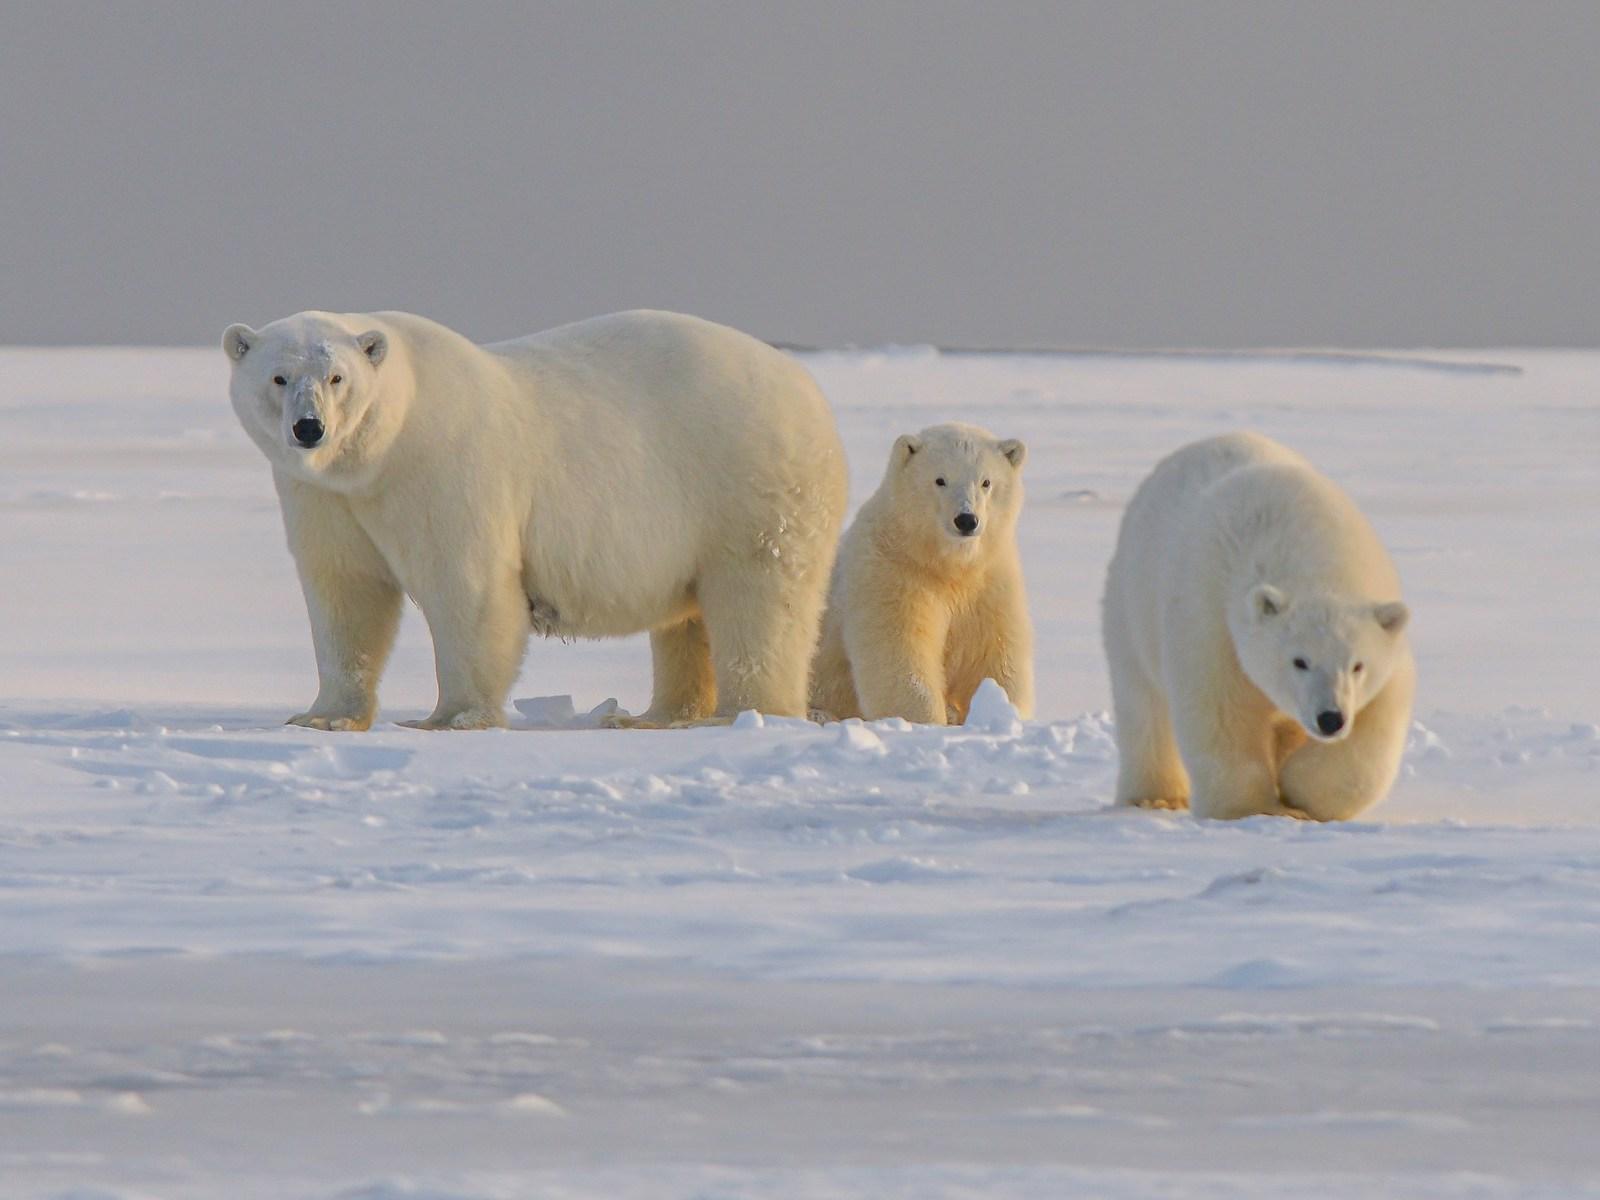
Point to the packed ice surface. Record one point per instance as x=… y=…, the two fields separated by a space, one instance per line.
x=777 y=959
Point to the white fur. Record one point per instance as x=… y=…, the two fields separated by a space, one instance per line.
x=641 y=471
x=1236 y=557
x=919 y=615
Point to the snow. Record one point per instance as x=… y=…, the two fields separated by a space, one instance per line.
x=776 y=959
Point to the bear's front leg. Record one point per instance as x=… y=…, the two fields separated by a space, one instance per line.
x=897 y=658
x=480 y=633
x=1150 y=771
x=1226 y=788
x=353 y=625
x=352 y=600
x=1336 y=781
x=1224 y=734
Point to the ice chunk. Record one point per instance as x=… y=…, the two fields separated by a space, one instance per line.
x=554 y=711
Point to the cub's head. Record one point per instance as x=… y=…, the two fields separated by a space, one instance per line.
x=308 y=389
x=1318 y=658
x=957 y=485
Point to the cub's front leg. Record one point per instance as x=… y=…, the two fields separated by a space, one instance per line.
x=351 y=598
x=1002 y=637
x=896 y=648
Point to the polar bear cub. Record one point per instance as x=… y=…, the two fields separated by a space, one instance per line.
x=642 y=471
x=927 y=598
x=1256 y=639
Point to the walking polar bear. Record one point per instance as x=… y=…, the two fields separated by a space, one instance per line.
x=1256 y=640
x=927 y=598
x=641 y=471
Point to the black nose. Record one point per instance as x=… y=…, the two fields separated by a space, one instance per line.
x=1330 y=722
x=308 y=431
x=967 y=524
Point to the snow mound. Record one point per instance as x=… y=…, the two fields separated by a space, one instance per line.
x=991 y=711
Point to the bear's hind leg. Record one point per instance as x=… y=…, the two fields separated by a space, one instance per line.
x=1150 y=772
x=683 y=686
x=763 y=626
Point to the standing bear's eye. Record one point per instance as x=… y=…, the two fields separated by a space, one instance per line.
x=1300 y=664
x=337 y=379
x=939 y=482
x=1358 y=668
x=279 y=380
x=986 y=485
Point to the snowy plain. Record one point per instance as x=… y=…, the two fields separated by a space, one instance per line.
x=781 y=960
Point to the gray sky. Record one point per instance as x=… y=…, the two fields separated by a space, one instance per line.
x=1128 y=174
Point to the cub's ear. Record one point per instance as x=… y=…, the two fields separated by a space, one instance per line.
x=1393 y=616
x=905 y=446
x=237 y=340
x=1266 y=601
x=374 y=344
x=1013 y=449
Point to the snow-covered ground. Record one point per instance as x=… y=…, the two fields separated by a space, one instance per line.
x=779 y=960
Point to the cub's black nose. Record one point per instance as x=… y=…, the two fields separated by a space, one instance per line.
x=967 y=524
x=1330 y=722
x=308 y=431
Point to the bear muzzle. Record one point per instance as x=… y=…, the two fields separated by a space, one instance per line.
x=308 y=432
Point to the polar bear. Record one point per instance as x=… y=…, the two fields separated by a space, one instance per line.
x=640 y=471
x=927 y=598
x=1256 y=639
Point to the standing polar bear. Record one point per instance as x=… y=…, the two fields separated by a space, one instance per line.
x=927 y=598
x=642 y=471
x=1256 y=640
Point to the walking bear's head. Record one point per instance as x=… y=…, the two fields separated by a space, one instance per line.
x=1318 y=658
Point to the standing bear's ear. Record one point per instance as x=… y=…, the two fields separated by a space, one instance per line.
x=374 y=344
x=1393 y=616
x=1266 y=601
x=1014 y=450
x=905 y=446
x=237 y=340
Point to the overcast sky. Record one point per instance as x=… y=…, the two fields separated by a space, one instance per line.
x=985 y=174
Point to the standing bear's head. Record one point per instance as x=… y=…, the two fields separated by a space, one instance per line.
x=956 y=487
x=307 y=390
x=1318 y=658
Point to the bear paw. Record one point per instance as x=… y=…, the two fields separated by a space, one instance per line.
x=1163 y=803
x=1286 y=809
x=470 y=718
x=622 y=720
x=656 y=720
x=334 y=724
